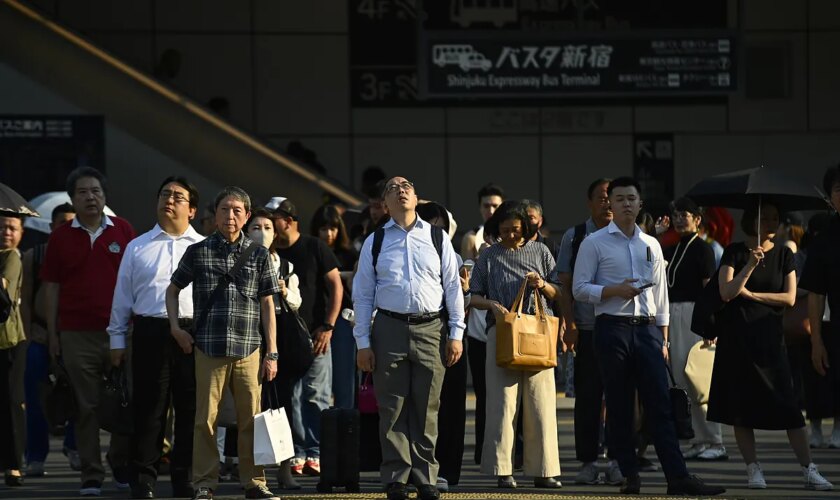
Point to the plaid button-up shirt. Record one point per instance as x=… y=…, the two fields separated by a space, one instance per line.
x=232 y=327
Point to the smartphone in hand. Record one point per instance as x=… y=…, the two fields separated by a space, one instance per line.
x=645 y=286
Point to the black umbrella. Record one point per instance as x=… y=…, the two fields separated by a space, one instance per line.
x=747 y=188
x=13 y=203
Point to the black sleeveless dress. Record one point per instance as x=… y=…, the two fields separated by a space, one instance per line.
x=751 y=382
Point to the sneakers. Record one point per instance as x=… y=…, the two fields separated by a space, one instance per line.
x=694 y=451
x=203 y=494
x=834 y=442
x=814 y=480
x=588 y=474
x=91 y=488
x=612 y=475
x=296 y=465
x=260 y=492
x=716 y=452
x=73 y=459
x=693 y=485
x=442 y=485
x=312 y=467
x=755 y=477
x=35 y=469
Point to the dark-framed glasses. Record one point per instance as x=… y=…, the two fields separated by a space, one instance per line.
x=404 y=185
x=176 y=196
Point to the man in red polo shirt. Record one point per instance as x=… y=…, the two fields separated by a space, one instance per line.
x=80 y=273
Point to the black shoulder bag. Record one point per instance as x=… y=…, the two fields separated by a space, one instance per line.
x=680 y=407
x=223 y=283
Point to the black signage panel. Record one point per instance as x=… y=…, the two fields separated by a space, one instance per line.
x=508 y=65
x=653 y=167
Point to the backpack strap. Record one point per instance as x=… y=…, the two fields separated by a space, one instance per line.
x=580 y=234
x=378 y=238
x=437 y=240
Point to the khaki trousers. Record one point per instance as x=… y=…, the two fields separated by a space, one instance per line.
x=211 y=375
x=87 y=357
x=682 y=340
x=505 y=390
x=407 y=379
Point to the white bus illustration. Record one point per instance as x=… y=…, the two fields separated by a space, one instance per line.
x=498 y=12
x=462 y=55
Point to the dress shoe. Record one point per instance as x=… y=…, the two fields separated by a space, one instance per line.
x=13 y=481
x=506 y=482
x=397 y=491
x=693 y=485
x=142 y=491
x=632 y=485
x=547 y=482
x=428 y=492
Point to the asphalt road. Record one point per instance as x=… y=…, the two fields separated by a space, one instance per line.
x=781 y=471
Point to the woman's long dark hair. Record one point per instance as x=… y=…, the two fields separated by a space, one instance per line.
x=329 y=216
x=508 y=210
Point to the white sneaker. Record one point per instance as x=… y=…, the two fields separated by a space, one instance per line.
x=694 y=451
x=588 y=474
x=816 y=440
x=755 y=477
x=834 y=442
x=442 y=485
x=717 y=452
x=814 y=480
x=613 y=475
x=35 y=469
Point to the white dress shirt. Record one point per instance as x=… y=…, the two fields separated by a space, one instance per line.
x=407 y=279
x=608 y=257
x=145 y=273
x=106 y=221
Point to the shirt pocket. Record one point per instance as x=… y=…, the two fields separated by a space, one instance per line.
x=246 y=281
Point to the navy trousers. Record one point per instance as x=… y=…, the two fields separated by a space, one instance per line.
x=629 y=359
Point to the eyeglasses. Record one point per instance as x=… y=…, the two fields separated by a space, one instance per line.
x=176 y=196
x=393 y=188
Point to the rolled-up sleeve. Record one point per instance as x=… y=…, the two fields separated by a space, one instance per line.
x=452 y=291
x=660 y=292
x=584 y=288
x=364 y=295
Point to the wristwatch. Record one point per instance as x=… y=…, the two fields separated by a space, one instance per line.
x=272 y=356
x=327 y=327
x=666 y=344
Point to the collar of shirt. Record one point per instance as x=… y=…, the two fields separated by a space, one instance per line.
x=106 y=221
x=613 y=228
x=220 y=243
x=190 y=234
x=418 y=224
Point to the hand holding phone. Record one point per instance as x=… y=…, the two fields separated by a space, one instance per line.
x=645 y=286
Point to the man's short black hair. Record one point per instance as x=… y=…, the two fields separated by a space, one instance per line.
x=81 y=172
x=624 y=182
x=64 y=208
x=513 y=209
x=490 y=190
x=831 y=177
x=184 y=183
x=596 y=183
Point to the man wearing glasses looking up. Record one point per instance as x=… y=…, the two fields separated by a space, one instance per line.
x=160 y=368
x=419 y=325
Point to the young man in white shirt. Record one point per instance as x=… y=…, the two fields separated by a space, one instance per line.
x=620 y=269
x=160 y=369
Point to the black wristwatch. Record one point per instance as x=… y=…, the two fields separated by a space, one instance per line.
x=327 y=327
x=272 y=356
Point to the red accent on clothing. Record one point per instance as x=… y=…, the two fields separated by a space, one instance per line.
x=86 y=275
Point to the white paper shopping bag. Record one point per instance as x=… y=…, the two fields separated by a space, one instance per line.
x=272 y=438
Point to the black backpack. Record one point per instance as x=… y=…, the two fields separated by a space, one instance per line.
x=379 y=236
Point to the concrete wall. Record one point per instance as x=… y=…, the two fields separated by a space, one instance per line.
x=284 y=68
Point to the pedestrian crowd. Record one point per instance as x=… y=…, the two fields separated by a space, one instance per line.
x=198 y=326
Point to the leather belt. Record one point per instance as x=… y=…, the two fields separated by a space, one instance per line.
x=411 y=319
x=631 y=320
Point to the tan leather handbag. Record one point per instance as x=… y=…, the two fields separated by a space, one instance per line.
x=525 y=341
x=698 y=370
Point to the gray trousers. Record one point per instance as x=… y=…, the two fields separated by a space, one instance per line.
x=407 y=380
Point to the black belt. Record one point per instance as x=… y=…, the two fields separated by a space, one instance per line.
x=151 y=320
x=411 y=319
x=631 y=320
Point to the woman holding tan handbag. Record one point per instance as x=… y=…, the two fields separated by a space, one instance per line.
x=494 y=285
